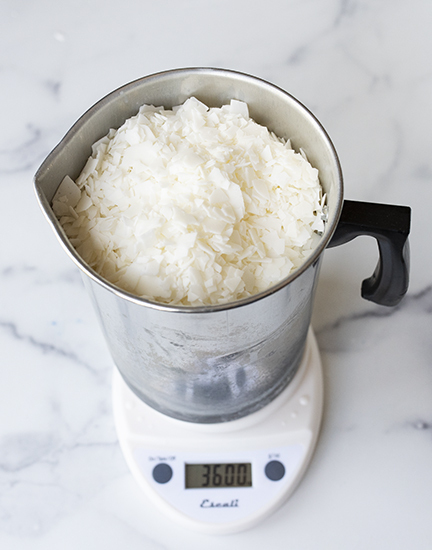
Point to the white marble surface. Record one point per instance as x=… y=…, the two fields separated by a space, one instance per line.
x=363 y=67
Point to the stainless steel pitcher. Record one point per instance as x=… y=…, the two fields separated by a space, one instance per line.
x=218 y=363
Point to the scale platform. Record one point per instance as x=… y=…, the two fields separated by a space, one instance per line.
x=227 y=477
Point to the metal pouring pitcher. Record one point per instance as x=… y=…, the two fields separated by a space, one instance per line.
x=218 y=363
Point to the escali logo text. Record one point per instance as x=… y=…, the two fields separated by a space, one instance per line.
x=206 y=503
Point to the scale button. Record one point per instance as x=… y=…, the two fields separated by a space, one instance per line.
x=162 y=473
x=274 y=470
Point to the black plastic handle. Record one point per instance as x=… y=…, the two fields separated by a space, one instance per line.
x=390 y=225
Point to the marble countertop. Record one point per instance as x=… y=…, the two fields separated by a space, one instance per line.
x=363 y=67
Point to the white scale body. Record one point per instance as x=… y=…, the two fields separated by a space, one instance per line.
x=272 y=446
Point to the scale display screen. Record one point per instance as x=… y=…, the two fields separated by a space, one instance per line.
x=208 y=476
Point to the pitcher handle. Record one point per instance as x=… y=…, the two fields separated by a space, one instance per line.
x=390 y=225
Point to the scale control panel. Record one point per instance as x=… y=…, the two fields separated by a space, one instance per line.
x=221 y=488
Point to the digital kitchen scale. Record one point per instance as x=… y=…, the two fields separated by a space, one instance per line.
x=226 y=477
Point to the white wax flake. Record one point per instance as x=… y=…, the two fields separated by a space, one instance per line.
x=66 y=196
x=239 y=108
x=193 y=206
